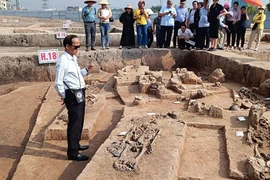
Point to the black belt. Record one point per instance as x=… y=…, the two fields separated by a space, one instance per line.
x=75 y=89
x=89 y=22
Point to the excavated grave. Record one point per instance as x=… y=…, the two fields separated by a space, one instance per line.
x=162 y=163
x=234 y=149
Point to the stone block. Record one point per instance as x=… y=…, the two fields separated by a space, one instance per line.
x=217 y=76
x=264 y=88
x=58 y=129
x=216 y=111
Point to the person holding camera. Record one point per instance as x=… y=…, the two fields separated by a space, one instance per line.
x=203 y=27
x=167 y=14
x=141 y=16
x=70 y=86
x=223 y=29
x=257 y=28
x=104 y=14
x=232 y=24
x=241 y=29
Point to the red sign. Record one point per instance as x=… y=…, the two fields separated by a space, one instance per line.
x=48 y=56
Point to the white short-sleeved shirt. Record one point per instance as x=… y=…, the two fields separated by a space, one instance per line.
x=167 y=20
x=187 y=33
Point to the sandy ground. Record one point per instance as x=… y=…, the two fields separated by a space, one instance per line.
x=18 y=111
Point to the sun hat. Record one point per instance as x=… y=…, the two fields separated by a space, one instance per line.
x=149 y=11
x=90 y=1
x=128 y=7
x=104 y=2
x=230 y=13
x=261 y=7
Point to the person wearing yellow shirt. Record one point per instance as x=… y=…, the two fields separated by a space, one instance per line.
x=257 y=28
x=140 y=15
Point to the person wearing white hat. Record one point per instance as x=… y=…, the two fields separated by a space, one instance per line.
x=89 y=15
x=104 y=14
x=257 y=28
x=128 y=37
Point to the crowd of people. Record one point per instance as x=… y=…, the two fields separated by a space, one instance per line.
x=204 y=26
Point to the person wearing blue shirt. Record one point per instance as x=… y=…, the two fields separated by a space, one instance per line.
x=180 y=19
x=89 y=14
x=204 y=36
x=242 y=27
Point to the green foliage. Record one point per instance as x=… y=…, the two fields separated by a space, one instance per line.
x=252 y=9
x=268 y=7
x=155 y=8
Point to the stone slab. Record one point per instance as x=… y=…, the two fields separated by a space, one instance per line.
x=162 y=163
x=130 y=75
x=108 y=89
x=58 y=129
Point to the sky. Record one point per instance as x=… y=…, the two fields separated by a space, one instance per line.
x=62 y=4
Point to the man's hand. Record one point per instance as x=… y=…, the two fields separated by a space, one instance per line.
x=226 y=26
x=234 y=22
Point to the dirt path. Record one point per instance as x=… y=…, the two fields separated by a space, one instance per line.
x=18 y=111
x=204 y=154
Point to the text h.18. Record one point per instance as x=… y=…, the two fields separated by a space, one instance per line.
x=48 y=56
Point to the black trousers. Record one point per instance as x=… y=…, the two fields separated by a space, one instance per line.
x=203 y=37
x=193 y=29
x=182 y=44
x=165 y=36
x=177 y=25
x=75 y=122
x=233 y=31
x=150 y=38
x=241 y=32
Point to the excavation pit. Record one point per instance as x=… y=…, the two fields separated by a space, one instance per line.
x=196 y=112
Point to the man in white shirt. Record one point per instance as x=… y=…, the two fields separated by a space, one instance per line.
x=184 y=36
x=167 y=15
x=70 y=86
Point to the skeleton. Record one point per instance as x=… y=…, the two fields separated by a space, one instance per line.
x=258 y=136
x=139 y=140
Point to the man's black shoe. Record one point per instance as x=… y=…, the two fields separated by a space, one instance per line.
x=81 y=148
x=79 y=157
x=93 y=49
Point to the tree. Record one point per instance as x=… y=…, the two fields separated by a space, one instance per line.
x=155 y=8
x=268 y=7
x=252 y=9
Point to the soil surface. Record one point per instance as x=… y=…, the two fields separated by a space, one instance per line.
x=20 y=105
